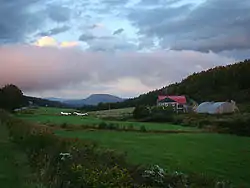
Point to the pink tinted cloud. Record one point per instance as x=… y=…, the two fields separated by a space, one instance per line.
x=36 y=69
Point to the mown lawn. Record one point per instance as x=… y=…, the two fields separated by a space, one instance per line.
x=77 y=120
x=14 y=169
x=223 y=156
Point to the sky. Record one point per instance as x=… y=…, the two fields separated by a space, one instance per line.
x=74 y=48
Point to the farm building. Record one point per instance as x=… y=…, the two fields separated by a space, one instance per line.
x=217 y=107
x=178 y=102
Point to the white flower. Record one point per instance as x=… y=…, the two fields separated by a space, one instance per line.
x=65 y=156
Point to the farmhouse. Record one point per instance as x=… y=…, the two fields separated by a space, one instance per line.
x=179 y=103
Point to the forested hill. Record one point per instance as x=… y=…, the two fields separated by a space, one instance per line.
x=217 y=84
x=45 y=102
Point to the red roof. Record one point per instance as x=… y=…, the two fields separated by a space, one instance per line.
x=179 y=99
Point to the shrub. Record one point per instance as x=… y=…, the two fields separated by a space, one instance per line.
x=141 y=112
x=177 y=120
x=160 y=114
x=239 y=125
x=64 y=162
x=51 y=125
x=131 y=127
x=102 y=125
x=87 y=126
x=143 y=128
x=64 y=125
x=158 y=177
x=111 y=126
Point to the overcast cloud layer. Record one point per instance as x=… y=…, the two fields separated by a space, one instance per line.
x=125 y=47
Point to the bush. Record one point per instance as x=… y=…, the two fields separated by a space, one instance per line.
x=102 y=125
x=141 y=112
x=143 y=128
x=130 y=127
x=112 y=126
x=69 y=163
x=239 y=125
x=177 y=120
x=161 y=114
x=64 y=125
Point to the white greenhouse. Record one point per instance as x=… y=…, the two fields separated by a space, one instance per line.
x=217 y=107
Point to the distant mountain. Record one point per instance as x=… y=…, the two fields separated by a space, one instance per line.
x=94 y=99
x=56 y=99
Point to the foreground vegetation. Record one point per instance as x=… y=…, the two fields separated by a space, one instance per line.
x=64 y=162
x=14 y=168
x=223 y=156
x=215 y=155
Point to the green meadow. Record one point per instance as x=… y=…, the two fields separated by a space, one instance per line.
x=215 y=155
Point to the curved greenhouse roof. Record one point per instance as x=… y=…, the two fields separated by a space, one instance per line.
x=216 y=107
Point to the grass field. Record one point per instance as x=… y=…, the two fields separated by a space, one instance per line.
x=52 y=116
x=14 y=170
x=78 y=120
x=223 y=156
x=50 y=111
x=217 y=155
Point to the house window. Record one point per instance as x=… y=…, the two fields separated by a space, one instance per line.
x=180 y=106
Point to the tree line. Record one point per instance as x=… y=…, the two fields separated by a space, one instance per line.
x=11 y=97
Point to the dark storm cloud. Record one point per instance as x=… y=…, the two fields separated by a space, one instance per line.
x=55 y=31
x=106 y=43
x=20 y=18
x=149 y=21
x=118 y=31
x=16 y=20
x=86 y=37
x=215 y=25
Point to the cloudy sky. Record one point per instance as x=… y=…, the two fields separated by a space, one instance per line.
x=74 y=48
